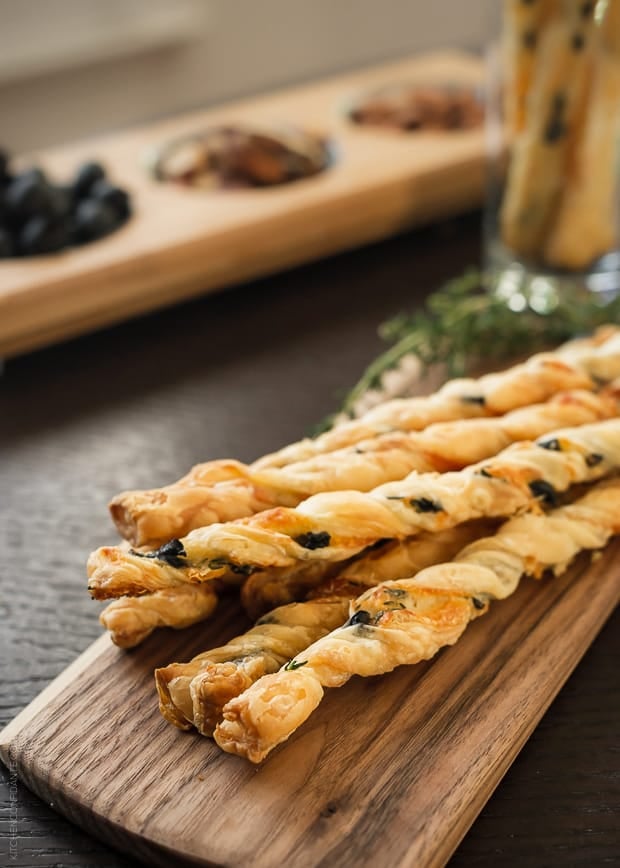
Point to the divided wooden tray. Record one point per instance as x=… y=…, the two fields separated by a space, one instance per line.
x=389 y=771
x=183 y=242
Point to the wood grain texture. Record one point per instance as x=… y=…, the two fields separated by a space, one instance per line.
x=242 y=373
x=182 y=242
x=428 y=742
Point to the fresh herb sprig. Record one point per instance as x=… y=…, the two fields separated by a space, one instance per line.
x=464 y=322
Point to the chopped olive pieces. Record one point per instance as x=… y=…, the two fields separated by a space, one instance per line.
x=480 y=400
x=425 y=504
x=593 y=459
x=171 y=553
x=553 y=445
x=543 y=490
x=361 y=617
x=313 y=540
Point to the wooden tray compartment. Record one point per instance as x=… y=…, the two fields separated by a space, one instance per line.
x=185 y=242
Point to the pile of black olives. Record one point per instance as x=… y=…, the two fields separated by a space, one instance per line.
x=38 y=216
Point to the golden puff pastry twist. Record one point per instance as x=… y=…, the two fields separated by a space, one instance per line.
x=409 y=620
x=554 y=113
x=523 y=29
x=571 y=366
x=194 y=693
x=440 y=447
x=268 y=589
x=233 y=667
x=131 y=620
x=149 y=518
x=228 y=490
x=587 y=223
x=337 y=525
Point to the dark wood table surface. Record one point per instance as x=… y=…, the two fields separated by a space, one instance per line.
x=239 y=374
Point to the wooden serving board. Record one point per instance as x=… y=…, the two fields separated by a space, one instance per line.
x=183 y=242
x=389 y=771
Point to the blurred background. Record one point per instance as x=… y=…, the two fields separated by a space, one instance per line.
x=72 y=68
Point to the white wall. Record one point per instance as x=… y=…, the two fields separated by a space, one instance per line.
x=132 y=60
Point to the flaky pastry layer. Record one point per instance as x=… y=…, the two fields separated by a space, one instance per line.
x=406 y=621
x=336 y=525
x=220 y=491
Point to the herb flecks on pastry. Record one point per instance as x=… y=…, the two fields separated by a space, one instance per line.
x=212 y=678
x=406 y=621
x=496 y=487
x=220 y=491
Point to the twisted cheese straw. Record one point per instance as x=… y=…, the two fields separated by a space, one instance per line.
x=534 y=381
x=442 y=446
x=523 y=25
x=336 y=525
x=194 y=693
x=555 y=106
x=587 y=222
x=265 y=590
x=131 y=620
x=409 y=620
x=202 y=497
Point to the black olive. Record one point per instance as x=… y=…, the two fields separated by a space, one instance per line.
x=37 y=216
x=170 y=550
x=554 y=131
x=593 y=459
x=35 y=174
x=41 y=234
x=242 y=569
x=559 y=102
x=556 y=127
x=425 y=504
x=478 y=604
x=553 y=445
x=379 y=544
x=170 y=553
x=61 y=201
x=543 y=490
x=3 y=210
x=94 y=220
x=4 y=167
x=87 y=175
x=361 y=617
x=115 y=197
x=28 y=195
x=313 y=540
x=6 y=244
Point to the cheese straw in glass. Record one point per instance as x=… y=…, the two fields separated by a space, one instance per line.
x=553 y=209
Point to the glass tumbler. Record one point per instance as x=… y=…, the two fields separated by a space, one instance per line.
x=553 y=205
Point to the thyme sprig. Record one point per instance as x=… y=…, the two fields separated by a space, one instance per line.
x=463 y=323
